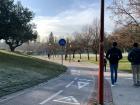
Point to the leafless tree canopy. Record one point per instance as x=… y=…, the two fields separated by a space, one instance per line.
x=126 y=11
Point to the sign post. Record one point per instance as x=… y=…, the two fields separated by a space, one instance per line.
x=62 y=55
x=62 y=43
x=101 y=50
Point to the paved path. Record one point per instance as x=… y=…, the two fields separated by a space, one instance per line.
x=122 y=94
x=125 y=93
x=78 y=86
x=72 y=88
x=108 y=99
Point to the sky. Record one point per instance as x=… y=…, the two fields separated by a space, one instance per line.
x=64 y=17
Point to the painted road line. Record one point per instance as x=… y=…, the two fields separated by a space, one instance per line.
x=77 y=72
x=82 y=84
x=11 y=97
x=85 y=80
x=69 y=84
x=68 y=100
x=48 y=99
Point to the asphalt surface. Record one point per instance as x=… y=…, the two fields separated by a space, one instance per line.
x=72 y=88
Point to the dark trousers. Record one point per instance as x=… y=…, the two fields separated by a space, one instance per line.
x=113 y=70
x=136 y=74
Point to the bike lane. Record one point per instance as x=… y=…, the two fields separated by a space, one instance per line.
x=72 y=88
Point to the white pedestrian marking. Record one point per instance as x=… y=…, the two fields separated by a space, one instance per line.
x=48 y=99
x=85 y=80
x=75 y=72
x=82 y=84
x=69 y=84
x=68 y=100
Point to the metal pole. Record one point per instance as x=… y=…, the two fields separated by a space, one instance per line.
x=101 y=62
x=62 y=55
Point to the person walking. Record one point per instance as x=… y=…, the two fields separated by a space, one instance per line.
x=48 y=55
x=114 y=54
x=105 y=63
x=134 y=58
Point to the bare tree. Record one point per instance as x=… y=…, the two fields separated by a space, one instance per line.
x=126 y=11
x=125 y=36
x=80 y=45
x=51 y=44
x=73 y=47
x=95 y=37
x=87 y=39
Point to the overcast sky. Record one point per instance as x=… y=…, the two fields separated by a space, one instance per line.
x=63 y=17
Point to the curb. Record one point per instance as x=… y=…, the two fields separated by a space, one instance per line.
x=108 y=99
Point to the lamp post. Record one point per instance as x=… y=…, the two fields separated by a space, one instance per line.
x=101 y=51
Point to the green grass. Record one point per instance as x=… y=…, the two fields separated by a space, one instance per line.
x=18 y=72
x=124 y=64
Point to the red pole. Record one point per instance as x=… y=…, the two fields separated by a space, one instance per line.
x=101 y=62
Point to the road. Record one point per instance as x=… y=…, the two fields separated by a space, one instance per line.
x=72 y=88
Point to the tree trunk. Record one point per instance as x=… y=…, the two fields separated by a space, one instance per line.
x=73 y=54
x=12 y=48
x=88 y=53
x=80 y=56
x=96 y=58
x=66 y=55
x=53 y=55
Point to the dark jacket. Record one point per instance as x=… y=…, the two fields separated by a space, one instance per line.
x=134 y=56
x=117 y=53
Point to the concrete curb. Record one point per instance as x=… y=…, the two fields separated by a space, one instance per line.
x=108 y=98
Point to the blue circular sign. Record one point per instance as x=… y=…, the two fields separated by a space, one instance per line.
x=62 y=42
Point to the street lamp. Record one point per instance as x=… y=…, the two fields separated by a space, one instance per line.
x=101 y=51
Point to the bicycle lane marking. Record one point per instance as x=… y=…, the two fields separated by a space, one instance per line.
x=56 y=94
x=50 y=98
x=68 y=99
x=69 y=84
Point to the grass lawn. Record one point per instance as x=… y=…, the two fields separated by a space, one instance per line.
x=124 y=64
x=18 y=72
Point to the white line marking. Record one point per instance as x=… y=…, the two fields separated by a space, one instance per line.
x=8 y=98
x=82 y=84
x=77 y=72
x=69 y=84
x=43 y=102
x=68 y=100
x=85 y=80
